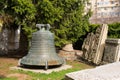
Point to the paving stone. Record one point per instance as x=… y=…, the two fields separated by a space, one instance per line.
x=104 y=72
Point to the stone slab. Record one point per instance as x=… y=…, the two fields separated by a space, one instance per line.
x=104 y=72
x=64 y=67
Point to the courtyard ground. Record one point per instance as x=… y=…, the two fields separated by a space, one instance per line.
x=7 y=74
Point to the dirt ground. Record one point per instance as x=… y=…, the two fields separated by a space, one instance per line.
x=5 y=72
x=5 y=63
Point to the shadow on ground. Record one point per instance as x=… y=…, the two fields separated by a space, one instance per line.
x=1 y=77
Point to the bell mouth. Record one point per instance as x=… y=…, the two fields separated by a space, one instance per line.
x=40 y=67
x=41 y=64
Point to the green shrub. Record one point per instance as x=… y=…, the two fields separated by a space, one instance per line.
x=114 y=30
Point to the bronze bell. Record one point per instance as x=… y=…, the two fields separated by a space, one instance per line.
x=42 y=51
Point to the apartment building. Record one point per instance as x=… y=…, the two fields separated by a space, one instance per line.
x=105 y=11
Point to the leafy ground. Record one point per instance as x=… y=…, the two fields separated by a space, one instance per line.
x=7 y=74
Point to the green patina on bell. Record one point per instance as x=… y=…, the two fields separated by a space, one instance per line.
x=42 y=51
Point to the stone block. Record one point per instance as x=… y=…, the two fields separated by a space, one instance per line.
x=70 y=55
x=94 y=44
x=112 y=51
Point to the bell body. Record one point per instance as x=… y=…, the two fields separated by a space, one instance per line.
x=42 y=51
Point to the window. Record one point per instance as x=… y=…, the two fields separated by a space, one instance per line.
x=105 y=8
x=97 y=3
x=99 y=9
x=112 y=13
x=112 y=2
x=112 y=8
x=98 y=14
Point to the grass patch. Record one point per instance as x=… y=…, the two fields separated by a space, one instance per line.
x=52 y=76
x=12 y=78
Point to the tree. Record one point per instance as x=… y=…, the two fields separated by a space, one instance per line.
x=5 y=17
x=20 y=13
x=66 y=17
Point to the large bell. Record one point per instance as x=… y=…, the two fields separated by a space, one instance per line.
x=42 y=51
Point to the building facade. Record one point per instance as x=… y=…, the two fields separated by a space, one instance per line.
x=105 y=11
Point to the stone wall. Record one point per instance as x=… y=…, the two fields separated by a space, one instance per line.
x=69 y=53
x=12 y=41
x=104 y=20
